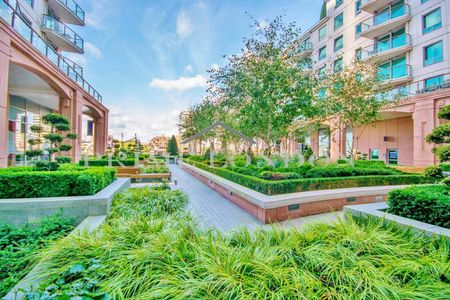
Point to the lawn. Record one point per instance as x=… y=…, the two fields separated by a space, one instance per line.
x=298 y=177
x=150 y=249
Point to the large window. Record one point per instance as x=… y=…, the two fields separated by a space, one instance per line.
x=432 y=21
x=338 y=43
x=322 y=53
x=396 y=68
x=322 y=32
x=434 y=53
x=324 y=143
x=338 y=65
x=434 y=82
x=339 y=21
x=358 y=7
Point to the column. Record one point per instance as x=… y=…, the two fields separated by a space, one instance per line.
x=4 y=76
x=424 y=120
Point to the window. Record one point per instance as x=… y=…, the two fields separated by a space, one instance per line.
x=432 y=21
x=374 y=154
x=434 y=82
x=322 y=32
x=339 y=21
x=324 y=143
x=357 y=7
x=424 y=1
x=434 y=53
x=322 y=53
x=349 y=142
x=338 y=43
x=339 y=2
x=30 y=2
x=393 y=69
x=358 y=29
x=358 y=54
x=338 y=65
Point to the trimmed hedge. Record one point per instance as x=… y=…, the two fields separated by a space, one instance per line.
x=429 y=204
x=445 y=167
x=311 y=184
x=105 y=162
x=69 y=182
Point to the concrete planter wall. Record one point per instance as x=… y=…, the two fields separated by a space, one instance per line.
x=378 y=210
x=269 y=209
x=31 y=210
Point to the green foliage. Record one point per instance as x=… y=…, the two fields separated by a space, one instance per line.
x=429 y=204
x=64 y=182
x=172 y=147
x=53 y=137
x=442 y=152
x=342 y=162
x=72 y=136
x=34 y=153
x=441 y=135
x=435 y=172
x=269 y=175
x=155 y=170
x=311 y=184
x=444 y=113
x=149 y=250
x=46 y=165
x=369 y=163
x=54 y=119
x=104 y=162
x=63 y=159
x=19 y=244
x=62 y=127
x=65 y=147
x=36 y=128
x=445 y=167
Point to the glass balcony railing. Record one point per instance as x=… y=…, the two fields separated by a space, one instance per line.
x=305 y=47
x=9 y=12
x=381 y=46
x=63 y=30
x=393 y=73
x=74 y=8
x=384 y=16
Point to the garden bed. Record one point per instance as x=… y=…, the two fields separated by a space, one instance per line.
x=308 y=178
x=149 y=249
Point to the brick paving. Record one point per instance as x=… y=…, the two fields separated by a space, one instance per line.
x=213 y=210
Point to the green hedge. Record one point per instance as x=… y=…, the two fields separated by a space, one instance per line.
x=105 y=162
x=36 y=184
x=311 y=184
x=430 y=204
x=445 y=167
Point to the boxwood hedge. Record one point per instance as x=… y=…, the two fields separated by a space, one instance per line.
x=311 y=184
x=429 y=204
x=71 y=182
x=104 y=162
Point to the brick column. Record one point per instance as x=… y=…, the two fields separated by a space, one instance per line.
x=4 y=76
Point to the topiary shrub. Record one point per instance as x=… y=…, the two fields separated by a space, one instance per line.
x=46 y=165
x=441 y=135
x=429 y=204
x=63 y=159
x=342 y=162
x=268 y=175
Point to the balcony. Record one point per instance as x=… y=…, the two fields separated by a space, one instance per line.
x=371 y=6
x=386 y=21
x=62 y=36
x=304 y=50
x=388 y=49
x=307 y=68
x=68 y=11
x=395 y=75
x=67 y=67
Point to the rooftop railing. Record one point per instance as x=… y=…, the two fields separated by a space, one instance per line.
x=9 y=11
x=63 y=30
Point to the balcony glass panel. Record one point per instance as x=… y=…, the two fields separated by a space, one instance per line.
x=75 y=8
x=40 y=45
x=397 y=10
x=63 y=30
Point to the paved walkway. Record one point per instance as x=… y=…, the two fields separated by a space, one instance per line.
x=212 y=209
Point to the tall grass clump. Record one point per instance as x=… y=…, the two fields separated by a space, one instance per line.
x=160 y=253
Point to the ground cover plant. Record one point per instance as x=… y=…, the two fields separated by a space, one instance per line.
x=149 y=249
x=18 y=244
x=155 y=170
x=280 y=178
x=429 y=204
x=45 y=181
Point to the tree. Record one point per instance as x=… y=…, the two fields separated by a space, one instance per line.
x=58 y=126
x=172 y=147
x=264 y=87
x=441 y=135
x=349 y=98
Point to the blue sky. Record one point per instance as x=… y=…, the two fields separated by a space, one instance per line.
x=148 y=58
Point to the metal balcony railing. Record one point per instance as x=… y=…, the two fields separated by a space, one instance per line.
x=305 y=47
x=396 y=42
x=74 y=8
x=63 y=30
x=385 y=16
x=10 y=13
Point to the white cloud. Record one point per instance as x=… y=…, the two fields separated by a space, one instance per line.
x=79 y=59
x=92 y=50
x=188 y=69
x=184 y=25
x=215 y=67
x=180 y=84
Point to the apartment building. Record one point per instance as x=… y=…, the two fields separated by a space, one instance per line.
x=409 y=41
x=36 y=77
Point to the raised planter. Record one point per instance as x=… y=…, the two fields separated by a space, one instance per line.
x=378 y=210
x=31 y=210
x=269 y=209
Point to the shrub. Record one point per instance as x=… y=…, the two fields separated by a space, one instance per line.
x=44 y=165
x=155 y=170
x=63 y=159
x=445 y=167
x=435 y=172
x=429 y=204
x=268 y=175
x=67 y=182
x=18 y=244
x=342 y=162
x=105 y=162
x=369 y=163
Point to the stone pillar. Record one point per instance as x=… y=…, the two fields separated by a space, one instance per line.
x=4 y=76
x=77 y=124
x=424 y=120
x=100 y=135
